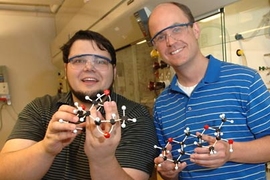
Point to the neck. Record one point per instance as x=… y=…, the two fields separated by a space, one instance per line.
x=192 y=72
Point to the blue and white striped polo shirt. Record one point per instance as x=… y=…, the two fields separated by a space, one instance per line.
x=230 y=89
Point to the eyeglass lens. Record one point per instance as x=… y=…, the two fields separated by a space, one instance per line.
x=174 y=31
x=98 y=62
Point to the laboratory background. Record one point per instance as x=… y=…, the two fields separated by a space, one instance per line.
x=32 y=32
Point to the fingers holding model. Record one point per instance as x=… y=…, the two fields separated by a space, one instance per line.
x=60 y=131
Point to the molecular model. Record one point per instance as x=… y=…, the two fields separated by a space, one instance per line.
x=98 y=103
x=198 y=143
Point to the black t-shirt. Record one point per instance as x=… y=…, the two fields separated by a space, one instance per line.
x=136 y=148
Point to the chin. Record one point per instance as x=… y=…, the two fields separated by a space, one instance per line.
x=80 y=95
x=92 y=95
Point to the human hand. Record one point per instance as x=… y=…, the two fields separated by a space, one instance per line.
x=166 y=168
x=60 y=131
x=97 y=147
x=203 y=157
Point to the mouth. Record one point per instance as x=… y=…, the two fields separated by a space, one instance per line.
x=89 y=80
x=176 y=51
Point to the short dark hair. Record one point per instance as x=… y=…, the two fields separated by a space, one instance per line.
x=102 y=43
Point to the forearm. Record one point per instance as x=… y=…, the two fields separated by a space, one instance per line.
x=256 y=151
x=29 y=163
x=108 y=169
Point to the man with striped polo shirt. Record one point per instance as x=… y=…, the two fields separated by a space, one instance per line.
x=206 y=92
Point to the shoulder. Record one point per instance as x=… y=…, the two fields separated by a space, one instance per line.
x=231 y=70
x=43 y=103
x=47 y=99
x=240 y=73
x=231 y=67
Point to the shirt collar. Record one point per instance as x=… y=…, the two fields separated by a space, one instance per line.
x=213 y=70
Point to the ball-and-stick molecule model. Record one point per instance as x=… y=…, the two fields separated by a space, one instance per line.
x=98 y=103
x=199 y=142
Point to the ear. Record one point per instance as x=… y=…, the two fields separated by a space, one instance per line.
x=196 y=30
x=65 y=68
x=114 y=72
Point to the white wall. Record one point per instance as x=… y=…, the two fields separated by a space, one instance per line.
x=25 y=49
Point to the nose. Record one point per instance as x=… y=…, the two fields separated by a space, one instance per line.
x=89 y=65
x=169 y=39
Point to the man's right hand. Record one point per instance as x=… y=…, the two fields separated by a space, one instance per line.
x=60 y=131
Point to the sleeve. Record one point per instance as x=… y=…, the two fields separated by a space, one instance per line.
x=258 y=108
x=29 y=124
